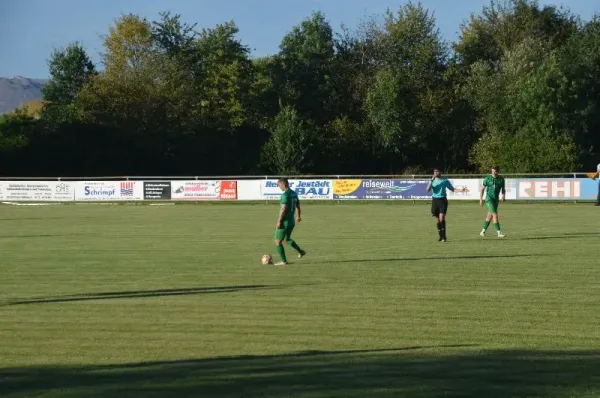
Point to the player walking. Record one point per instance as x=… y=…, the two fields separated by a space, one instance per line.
x=286 y=222
x=439 y=202
x=495 y=191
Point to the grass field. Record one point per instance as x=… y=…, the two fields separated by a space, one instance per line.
x=149 y=301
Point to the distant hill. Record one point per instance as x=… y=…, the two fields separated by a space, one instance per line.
x=17 y=91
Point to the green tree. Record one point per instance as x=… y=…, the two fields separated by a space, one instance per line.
x=524 y=108
x=503 y=24
x=127 y=45
x=580 y=60
x=285 y=152
x=409 y=102
x=15 y=132
x=304 y=67
x=70 y=69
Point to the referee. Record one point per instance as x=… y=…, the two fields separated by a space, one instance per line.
x=439 y=203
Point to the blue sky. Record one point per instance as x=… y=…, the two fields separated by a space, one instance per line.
x=31 y=29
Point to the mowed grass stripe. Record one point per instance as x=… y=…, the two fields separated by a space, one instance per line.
x=156 y=293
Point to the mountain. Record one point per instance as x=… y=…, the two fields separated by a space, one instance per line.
x=16 y=91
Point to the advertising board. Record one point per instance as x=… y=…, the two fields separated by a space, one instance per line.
x=306 y=189
x=157 y=190
x=203 y=190
x=465 y=189
x=228 y=190
x=249 y=189
x=386 y=189
x=109 y=190
x=34 y=191
x=556 y=189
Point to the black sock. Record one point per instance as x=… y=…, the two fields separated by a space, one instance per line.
x=439 y=228
x=444 y=229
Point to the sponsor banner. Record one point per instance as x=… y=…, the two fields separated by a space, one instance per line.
x=228 y=190
x=109 y=190
x=556 y=189
x=249 y=189
x=511 y=188
x=195 y=190
x=465 y=189
x=47 y=191
x=306 y=189
x=204 y=190
x=157 y=190
x=381 y=189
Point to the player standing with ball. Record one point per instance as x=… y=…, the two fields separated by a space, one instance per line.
x=286 y=222
x=439 y=202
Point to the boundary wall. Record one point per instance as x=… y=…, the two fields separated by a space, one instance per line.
x=566 y=187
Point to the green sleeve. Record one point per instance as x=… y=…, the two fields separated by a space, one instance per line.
x=284 y=198
x=486 y=181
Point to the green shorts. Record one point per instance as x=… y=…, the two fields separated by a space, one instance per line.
x=491 y=206
x=284 y=233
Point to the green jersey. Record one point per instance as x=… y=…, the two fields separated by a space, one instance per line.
x=493 y=186
x=290 y=199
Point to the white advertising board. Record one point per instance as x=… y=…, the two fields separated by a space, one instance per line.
x=468 y=189
x=511 y=188
x=109 y=190
x=465 y=189
x=249 y=189
x=37 y=191
x=195 y=190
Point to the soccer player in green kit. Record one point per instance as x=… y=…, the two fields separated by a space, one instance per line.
x=286 y=221
x=439 y=202
x=495 y=191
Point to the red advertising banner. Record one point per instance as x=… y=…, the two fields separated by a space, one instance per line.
x=228 y=190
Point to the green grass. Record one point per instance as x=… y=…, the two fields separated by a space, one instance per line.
x=150 y=301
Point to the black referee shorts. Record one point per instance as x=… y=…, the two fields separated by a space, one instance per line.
x=438 y=206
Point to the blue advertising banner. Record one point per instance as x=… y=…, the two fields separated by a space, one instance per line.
x=381 y=189
x=557 y=189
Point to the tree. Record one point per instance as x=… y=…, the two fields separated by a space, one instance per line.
x=408 y=103
x=15 y=132
x=285 y=152
x=226 y=76
x=172 y=37
x=524 y=108
x=127 y=45
x=503 y=24
x=70 y=69
x=304 y=68
x=580 y=60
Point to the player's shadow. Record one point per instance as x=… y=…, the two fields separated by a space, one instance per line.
x=33 y=218
x=139 y=294
x=400 y=259
x=31 y=236
x=421 y=372
x=573 y=235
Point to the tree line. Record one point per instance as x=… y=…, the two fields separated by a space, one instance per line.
x=520 y=87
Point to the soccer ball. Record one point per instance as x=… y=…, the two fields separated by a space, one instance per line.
x=266 y=259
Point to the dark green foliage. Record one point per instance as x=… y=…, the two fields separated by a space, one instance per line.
x=520 y=89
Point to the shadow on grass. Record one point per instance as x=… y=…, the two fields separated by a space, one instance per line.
x=32 y=236
x=139 y=294
x=405 y=372
x=574 y=235
x=399 y=259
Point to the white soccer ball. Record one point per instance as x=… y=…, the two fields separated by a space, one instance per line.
x=267 y=259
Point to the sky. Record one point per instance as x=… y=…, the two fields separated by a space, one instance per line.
x=31 y=29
